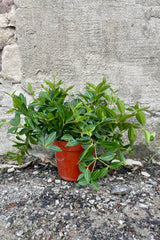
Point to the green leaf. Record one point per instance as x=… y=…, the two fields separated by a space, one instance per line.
x=67 y=137
x=32 y=140
x=30 y=89
x=87 y=152
x=11 y=110
x=111 y=146
x=15 y=121
x=24 y=131
x=12 y=129
x=91 y=85
x=80 y=177
x=121 y=157
x=29 y=122
x=152 y=136
x=103 y=172
x=82 y=167
x=87 y=175
x=50 y=138
x=12 y=154
x=115 y=165
x=72 y=143
x=95 y=185
x=141 y=118
x=60 y=110
x=147 y=137
x=95 y=175
x=19 y=159
x=132 y=135
x=17 y=102
x=121 y=106
x=54 y=148
x=136 y=107
x=82 y=182
x=108 y=156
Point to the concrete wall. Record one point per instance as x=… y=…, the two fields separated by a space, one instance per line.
x=82 y=41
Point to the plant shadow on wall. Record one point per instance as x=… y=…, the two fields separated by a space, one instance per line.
x=87 y=121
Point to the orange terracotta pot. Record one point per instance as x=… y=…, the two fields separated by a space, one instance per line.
x=67 y=160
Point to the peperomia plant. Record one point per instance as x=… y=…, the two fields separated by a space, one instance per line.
x=96 y=118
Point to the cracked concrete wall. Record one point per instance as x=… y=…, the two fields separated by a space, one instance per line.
x=82 y=41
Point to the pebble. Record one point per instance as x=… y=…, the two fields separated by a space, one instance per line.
x=131 y=162
x=144 y=206
x=154 y=183
x=35 y=172
x=121 y=222
x=39 y=232
x=19 y=233
x=145 y=174
x=49 y=180
x=10 y=170
x=57 y=181
x=92 y=201
x=121 y=189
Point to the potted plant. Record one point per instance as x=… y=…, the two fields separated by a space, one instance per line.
x=77 y=126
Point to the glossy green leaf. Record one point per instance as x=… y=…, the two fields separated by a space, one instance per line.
x=72 y=143
x=121 y=106
x=80 y=177
x=87 y=152
x=147 y=137
x=103 y=172
x=141 y=118
x=108 y=156
x=50 y=138
x=12 y=129
x=95 y=175
x=17 y=102
x=132 y=135
x=32 y=140
x=60 y=110
x=30 y=89
x=115 y=165
x=121 y=157
x=87 y=175
x=67 y=137
x=15 y=121
x=19 y=159
x=54 y=148
x=82 y=182
x=82 y=167
x=95 y=185
x=152 y=136
x=29 y=122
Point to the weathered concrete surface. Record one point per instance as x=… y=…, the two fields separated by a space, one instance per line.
x=85 y=40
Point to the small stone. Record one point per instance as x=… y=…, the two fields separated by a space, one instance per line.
x=154 y=183
x=49 y=180
x=145 y=174
x=57 y=202
x=120 y=222
x=131 y=162
x=19 y=233
x=144 y=206
x=121 y=189
x=35 y=173
x=39 y=232
x=92 y=201
x=10 y=170
x=57 y=181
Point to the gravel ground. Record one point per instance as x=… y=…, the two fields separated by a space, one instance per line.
x=36 y=204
